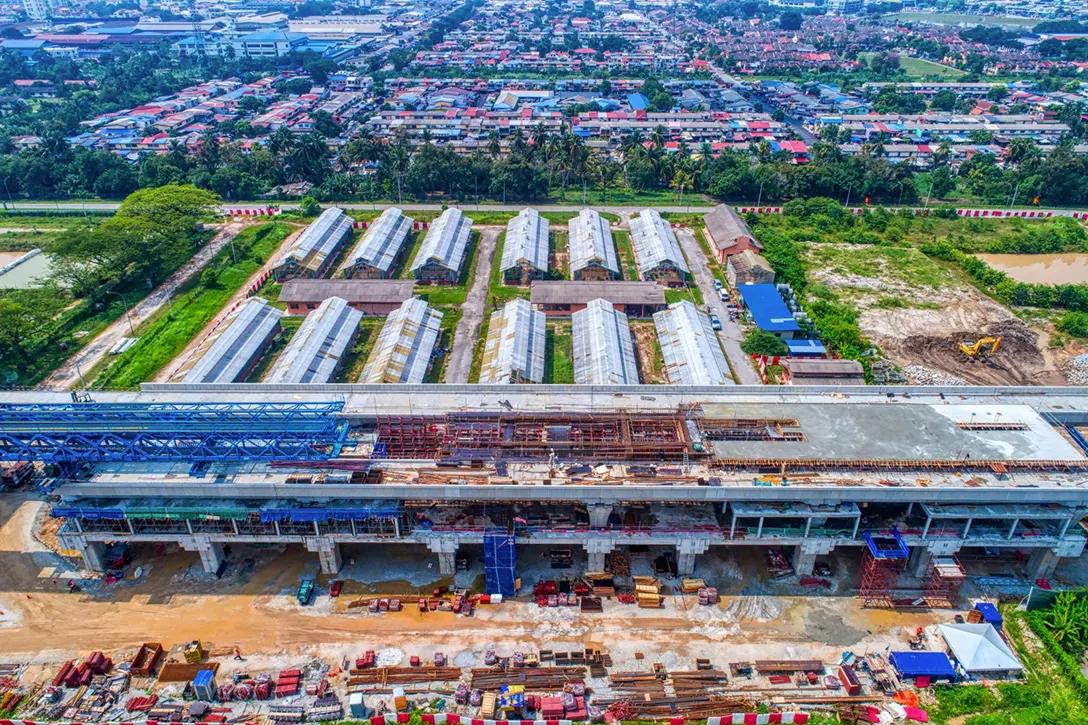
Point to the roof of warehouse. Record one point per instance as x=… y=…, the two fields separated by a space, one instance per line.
x=590 y=242
x=315 y=351
x=515 y=344
x=446 y=241
x=604 y=352
x=805 y=347
x=352 y=290
x=800 y=366
x=402 y=352
x=526 y=241
x=979 y=648
x=319 y=240
x=913 y=664
x=616 y=292
x=380 y=244
x=655 y=242
x=229 y=347
x=767 y=307
x=726 y=226
x=690 y=348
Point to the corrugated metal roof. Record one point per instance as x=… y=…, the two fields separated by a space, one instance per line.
x=655 y=243
x=229 y=349
x=352 y=290
x=445 y=241
x=604 y=352
x=381 y=242
x=545 y=292
x=315 y=351
x=692 y=353
x=590 y=243
x=514 y=351
x=526 y=241
x=318 y=241
x=403 y=349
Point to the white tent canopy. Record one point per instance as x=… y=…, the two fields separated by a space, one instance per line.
x=979 y=648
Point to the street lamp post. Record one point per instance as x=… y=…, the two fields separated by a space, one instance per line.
x=128 y=314
x=759 y=199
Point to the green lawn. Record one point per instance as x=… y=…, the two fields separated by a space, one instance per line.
x=922 y=68
x=627 y=197
x=437 y=370
x=166 y=334
x=21 y=233
x=626 y=254
x=558 y=355
x=414 y=242
x=351 y=367
x=478 y=349
x=559 y=250
x=1012 y=21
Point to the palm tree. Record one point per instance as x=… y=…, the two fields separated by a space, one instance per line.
x=493 y=146
x=681 y=179
x=659 y=136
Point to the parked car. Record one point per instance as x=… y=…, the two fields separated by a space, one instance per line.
x=717 y=284
x=715 y=322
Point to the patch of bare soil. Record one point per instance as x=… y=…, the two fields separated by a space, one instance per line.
x=932 y=338
x=645 y=342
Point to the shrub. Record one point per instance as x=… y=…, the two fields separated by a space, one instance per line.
x=760 y=342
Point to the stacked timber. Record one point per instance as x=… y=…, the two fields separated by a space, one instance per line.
x=381 y=677
x=785 y=666
x=691 y=586
x=493 y=679
x=648 y=592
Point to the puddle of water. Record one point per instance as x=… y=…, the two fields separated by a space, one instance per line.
x=26 y=275
x=1070 y=268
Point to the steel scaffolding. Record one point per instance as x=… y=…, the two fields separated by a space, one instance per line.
x=885 y=558
x=944 y=583
x=72 y=433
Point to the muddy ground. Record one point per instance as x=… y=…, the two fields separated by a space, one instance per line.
x=645 y=336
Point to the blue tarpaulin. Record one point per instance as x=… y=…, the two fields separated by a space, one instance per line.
x=361 y=514
x=270 y=515
x=917 y=664
x=92 y=514
x=309 y=514
x=990 y=615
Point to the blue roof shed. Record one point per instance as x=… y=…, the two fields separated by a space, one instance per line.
x=767 y=307
x=935 y=665
x=805 y=348
x=990 y=614
x=637 y=101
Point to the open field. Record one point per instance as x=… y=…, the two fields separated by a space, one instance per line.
x=1011 y=21
x=922 y=68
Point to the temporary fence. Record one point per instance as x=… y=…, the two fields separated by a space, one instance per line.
x=253 y=211
x=927 y=211
x=737 y=718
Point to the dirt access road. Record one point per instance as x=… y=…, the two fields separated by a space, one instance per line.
x=253 y=607
x=66 y=376
x=167 y=370
x=730 y=334
x=472 y=312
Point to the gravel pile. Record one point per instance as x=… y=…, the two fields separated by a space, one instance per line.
x=921 y=375
x=1076 y=372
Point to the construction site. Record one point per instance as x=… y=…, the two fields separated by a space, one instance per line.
x=300 y=553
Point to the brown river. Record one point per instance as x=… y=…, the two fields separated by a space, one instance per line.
x=1067 y=268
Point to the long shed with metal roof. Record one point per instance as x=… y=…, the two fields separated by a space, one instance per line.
x=692 y=353
x=442 y=252
x=315 y=352
x=375 y=256
x=657 y=251
x=514 y=350
x=232 y=349
x=315 y=248
x=525 y=249
x=604 y=353
x=403 y=350
x=591 y=248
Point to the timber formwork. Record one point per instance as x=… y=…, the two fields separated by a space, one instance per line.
x=750 y=429
x=512 y=436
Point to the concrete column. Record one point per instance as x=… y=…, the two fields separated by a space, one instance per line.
x=1042 y=563
x=1065 y=527
x=1012 y=529
x=925 y=529
x=967 y=528
x=596 y=550
x=211 y=552
x=330 y=560
x=686 y=551
x=921 y=558
x=447 y=555
x=857 y=523
x=598 y=515
x=808 y=526
x=93 y=553
x=804 y=561
x=759 y=530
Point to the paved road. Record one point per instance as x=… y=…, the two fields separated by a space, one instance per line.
x=730 y=334
x=472 y=312
x=67 y=375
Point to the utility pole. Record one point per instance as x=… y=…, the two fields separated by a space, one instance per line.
x=128 y=314
x=1014 y=193
x=759 y=200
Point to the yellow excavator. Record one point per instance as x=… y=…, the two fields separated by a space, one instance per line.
x=981 y=349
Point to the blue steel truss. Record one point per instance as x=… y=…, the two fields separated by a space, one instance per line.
x=192 y=432
x=901 y=551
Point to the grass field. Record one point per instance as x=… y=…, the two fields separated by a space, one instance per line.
x=1012 y=21
x=921 y=68
x=626 y=254
x=437 y=370
x=558 y=356
x=355 y=359
x=444 y=294
x=166 y=334
x=627 y=197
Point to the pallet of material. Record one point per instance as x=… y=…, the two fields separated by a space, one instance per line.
x=765 y=666
x=184 y=671
x=648 y=601
x=533 y=678
x=691 y=586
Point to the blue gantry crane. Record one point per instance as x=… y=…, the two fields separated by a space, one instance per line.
x=74 y=433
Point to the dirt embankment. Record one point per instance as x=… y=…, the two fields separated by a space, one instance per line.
x=932 y=337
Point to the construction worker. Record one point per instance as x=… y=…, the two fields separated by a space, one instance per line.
x=238 y=655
